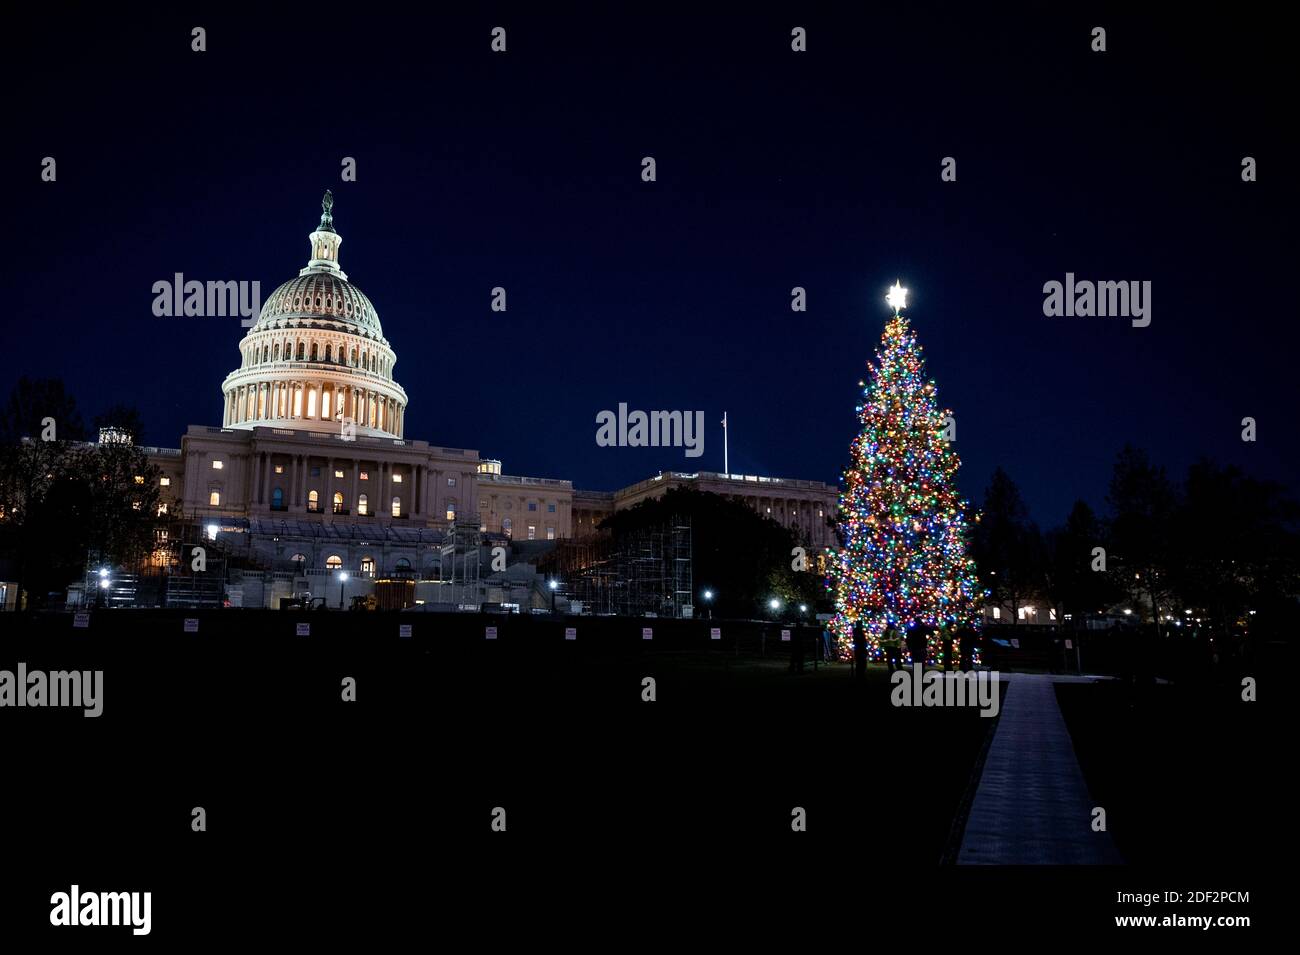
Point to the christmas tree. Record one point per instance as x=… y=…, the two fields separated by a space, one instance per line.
x=902 y=560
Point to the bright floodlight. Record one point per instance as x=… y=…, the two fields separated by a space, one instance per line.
x=104 y=584
x=103 y=572
x=343 y=575
x=555 y=584
x=212 y=531
x=774 y=603
x=1128 y=611
x=803 y=608
x=897 y=297
x=708 y=595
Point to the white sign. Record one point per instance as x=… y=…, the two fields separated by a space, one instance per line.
x=715 y=633
x=81 y=620
x=304 y=630
x=191 y=624
x=785 y=636
x=403 y=629
x=1015 y=642
x=1069 y=644
x=491 y=633
x=647 y=633
x=570 y=633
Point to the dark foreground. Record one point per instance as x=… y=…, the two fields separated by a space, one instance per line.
x=375 y=815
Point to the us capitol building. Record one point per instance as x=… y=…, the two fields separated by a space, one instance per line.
x=311 y=473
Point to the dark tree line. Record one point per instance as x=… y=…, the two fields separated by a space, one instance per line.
x=62 y=498
x=743 y=557
x=1220 y=543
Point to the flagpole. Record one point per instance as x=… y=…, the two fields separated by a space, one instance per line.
x=726 y=459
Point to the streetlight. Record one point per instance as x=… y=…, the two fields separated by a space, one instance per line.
x=775 y=604
x=555 y=585
x=708 y=599
x=212 y=531
x=343 y=582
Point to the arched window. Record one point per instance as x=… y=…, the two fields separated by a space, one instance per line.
x=302 y=350
x=368 y=566
x=313 y=501
x=266 y=353
x=338 y=502
x=277 y=499
x=276 y=352
x=362 y=505
x=329 y=352
x=300 y=559
x=313 y=351
x=397 y=507
x=402 y=564
x=311 y=403
x=334 y=562
x=214 y=499
x=505 y=527
x=451 y=509
x=325 y=404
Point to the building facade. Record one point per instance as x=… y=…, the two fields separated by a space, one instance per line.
x=312 y=465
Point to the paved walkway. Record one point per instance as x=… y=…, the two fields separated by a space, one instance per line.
x=1032 y=806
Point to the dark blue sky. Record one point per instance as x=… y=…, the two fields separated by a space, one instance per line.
x=775 y=169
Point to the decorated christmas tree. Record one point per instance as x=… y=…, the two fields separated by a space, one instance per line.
x=902 y=560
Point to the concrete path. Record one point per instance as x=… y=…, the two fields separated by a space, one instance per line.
x=1032 y=806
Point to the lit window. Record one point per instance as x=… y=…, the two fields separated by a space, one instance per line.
x=214 y=499
x=397 y=507
x=338 y=502
x=997 y=614
x=397 y=479
x=313 y=501
x=334 y=562
x=135 y=505
x=364 y=475
x=338 y=473
x=362 y=505
x=550 y=533
x=368 y=566
x=532 y=532
x=162 y=509
x=279 y=469
x=165 y=482
x=139 y=479
x=451 y=482
x=1051 y=614
x=217 y=465
x=451 y=510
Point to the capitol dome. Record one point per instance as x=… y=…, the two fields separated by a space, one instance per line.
x=316 y=359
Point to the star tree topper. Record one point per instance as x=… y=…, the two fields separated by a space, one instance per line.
x=897 y=297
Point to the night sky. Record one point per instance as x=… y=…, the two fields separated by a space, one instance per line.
x=775 y=169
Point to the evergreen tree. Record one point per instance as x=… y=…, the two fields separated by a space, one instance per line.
x=902 y=528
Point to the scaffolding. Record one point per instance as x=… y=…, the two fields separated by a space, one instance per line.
x=647 y=571
x=459 y=563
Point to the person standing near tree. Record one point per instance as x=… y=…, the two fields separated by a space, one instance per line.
x=859 y=650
